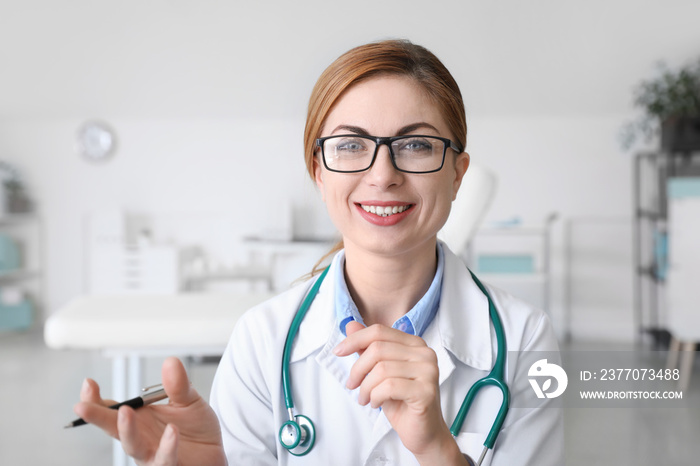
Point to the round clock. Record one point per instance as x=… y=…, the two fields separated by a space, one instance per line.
x=96 y=141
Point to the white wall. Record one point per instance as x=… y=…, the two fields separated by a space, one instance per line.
x=205 y=96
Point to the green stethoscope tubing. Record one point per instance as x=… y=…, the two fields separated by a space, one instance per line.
x=293 y=330
x=495 y=377
x=305 y=446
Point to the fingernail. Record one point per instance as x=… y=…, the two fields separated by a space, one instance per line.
x=169 y=431
x=338 y=349
x=85 y=387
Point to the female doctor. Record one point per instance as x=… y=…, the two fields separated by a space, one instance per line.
x=396 y=330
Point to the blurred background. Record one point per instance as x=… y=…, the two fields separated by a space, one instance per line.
x=155 y=148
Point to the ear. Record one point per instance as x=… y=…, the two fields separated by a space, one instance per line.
x=318 y=177
x=461 y=166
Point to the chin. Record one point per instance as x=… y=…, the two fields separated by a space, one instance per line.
x=390 y=246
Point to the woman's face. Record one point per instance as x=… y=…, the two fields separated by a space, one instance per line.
x=388 y=106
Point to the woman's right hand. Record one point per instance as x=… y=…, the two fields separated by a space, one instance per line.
x=183 y=432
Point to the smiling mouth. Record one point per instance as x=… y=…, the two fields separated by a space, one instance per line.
x=385 y=211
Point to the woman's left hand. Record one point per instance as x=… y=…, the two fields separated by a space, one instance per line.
x=399 y=372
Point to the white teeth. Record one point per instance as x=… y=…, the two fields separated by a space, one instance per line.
x=384 y=211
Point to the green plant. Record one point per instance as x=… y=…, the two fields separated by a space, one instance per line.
x=670 y=95
x=13 y=186
x=9 y=178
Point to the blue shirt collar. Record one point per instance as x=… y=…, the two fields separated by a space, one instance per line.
x=414 y=322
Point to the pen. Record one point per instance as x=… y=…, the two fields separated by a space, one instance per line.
x=138 y=402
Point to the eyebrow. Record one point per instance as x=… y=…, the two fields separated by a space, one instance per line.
x=405 y=130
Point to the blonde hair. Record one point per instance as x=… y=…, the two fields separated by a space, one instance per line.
x=388 y=57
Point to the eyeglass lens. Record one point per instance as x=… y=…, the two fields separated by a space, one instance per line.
x=412 y=153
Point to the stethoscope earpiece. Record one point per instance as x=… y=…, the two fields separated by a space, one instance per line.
x=298 y=436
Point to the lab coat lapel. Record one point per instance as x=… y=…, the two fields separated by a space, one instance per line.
x=462 y=320
x=325 y=334
x=463 y=317
x=318 y=322
x=318 y=330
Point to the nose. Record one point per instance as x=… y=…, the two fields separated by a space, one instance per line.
x=382 y=172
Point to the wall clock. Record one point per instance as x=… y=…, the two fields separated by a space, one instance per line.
x=96 y=141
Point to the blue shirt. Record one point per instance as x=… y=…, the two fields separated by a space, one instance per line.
x=414 y=322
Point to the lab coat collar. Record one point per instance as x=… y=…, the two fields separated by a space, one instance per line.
x=319 y=320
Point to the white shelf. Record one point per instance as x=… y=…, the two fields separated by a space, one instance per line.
x=17 y=219
x=517 y=230
x=513 y=277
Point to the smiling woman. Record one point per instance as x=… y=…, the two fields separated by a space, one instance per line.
x=384 y=344
x=350 y=196
x=399 y=59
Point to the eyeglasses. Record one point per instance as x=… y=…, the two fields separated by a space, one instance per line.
x=352 y=153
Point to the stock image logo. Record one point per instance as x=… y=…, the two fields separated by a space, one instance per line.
x=546 y=372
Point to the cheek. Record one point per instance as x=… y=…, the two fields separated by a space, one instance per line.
x=335 y=191
x=439 y=202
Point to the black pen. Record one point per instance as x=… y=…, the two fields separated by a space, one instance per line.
x=138 y=402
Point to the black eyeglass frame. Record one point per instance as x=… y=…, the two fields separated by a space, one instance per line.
x=387 y=141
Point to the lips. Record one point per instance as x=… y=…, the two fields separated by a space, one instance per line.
x=384 y=213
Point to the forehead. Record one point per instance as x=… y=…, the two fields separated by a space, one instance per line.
x=384 y=104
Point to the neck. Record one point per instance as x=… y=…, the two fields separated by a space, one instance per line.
x=385 y=287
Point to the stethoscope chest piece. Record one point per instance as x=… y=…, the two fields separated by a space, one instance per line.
x=298 y=436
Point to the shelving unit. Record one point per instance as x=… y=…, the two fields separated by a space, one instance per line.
x=516 y=258
x=652 y=171
x=22 y=288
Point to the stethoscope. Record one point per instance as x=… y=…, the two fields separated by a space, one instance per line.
x=298 y=434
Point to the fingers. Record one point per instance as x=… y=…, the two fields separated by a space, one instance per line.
x=399 y=389
x=94 y=410
x=358 y=339
x=420 y=376
x=383 y=351
x=381 y=343
x=136 y=443
x=90 y=393
x=102 y=417
x=353 y=327
x=392 y=365
x=132 y=440
x=176 y=383
x=167 y=449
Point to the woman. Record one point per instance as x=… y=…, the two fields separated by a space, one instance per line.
x=399 y=329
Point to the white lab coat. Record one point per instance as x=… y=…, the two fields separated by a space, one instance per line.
x=247 y=390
